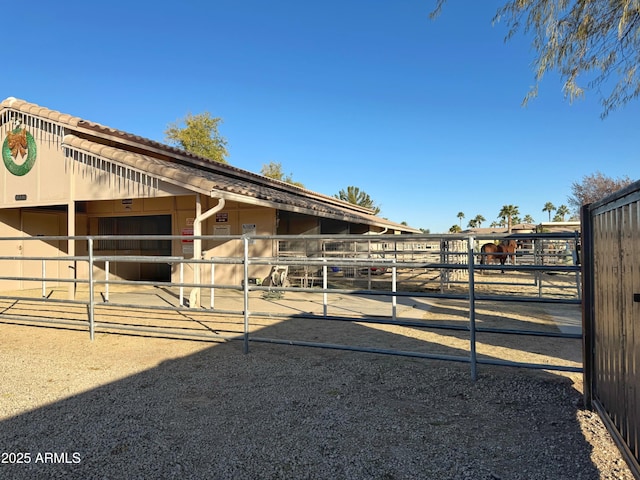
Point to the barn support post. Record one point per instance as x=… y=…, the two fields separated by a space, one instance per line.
x=472 y=311
x=587 y=305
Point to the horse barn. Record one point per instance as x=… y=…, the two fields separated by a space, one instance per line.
x=65 y=176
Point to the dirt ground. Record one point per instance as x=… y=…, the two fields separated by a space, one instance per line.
x=140 y=405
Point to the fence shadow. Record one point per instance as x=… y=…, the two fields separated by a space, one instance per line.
x=278 y=412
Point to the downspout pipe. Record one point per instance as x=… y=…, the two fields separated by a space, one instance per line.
x=194 y=296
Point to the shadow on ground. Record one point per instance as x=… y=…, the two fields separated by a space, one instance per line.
x=292 y=412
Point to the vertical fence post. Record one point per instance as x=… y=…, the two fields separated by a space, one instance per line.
x=181 y=299
x=472 y=311
x=394 y=285
x=588 y=313
x=44 y=282
x=325 y=283
x=106 y=279
x=91 y=286
x=540 y=262
x=576 y=261
x=245 y=283
x=212 y=291
x=444 y=258
x=369 y=268
x=536 y=261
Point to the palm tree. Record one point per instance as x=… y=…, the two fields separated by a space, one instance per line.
x=562 y=211
x=529 y=219
x=479 y=219
x=473 y=223
x=549 y=207
x=455 y=229
x=357 y=197
x=460 y=217
x=508 y=212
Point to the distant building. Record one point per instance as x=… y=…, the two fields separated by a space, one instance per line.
x=517 y=228
x=559 y=227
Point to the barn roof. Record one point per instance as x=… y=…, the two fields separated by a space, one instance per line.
x=195 y=173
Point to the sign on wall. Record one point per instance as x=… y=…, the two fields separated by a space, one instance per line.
x=248 y=228
x=187 y=243
x=222 y=230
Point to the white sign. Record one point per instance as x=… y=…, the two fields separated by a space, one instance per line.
x=222 y=229
x=248 y=228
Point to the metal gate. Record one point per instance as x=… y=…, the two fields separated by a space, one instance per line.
x=611 y=316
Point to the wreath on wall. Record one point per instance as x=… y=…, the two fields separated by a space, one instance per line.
x=19 y=144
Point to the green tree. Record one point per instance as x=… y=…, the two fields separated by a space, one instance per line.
x=455 y=229
x=596 y=39
x=198 y=134
x=460 y=217
x=562 y=212
x=594 y=187
x=473 y=223
x=549 y=207
x=508 y=212
x=358 y=197
x=529 y=219
x=479 y=219
x=274 y=170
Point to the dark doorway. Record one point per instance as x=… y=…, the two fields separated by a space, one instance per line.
x=139 y=225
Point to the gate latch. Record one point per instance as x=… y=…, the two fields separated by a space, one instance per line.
x=636 y=297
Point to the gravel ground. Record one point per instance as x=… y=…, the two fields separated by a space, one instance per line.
x=126 y=407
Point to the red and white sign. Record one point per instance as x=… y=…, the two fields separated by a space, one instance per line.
x=187 y=232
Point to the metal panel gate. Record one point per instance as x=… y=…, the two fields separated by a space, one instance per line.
x=611 y=316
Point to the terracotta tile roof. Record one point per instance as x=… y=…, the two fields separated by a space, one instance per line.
x=196 y=173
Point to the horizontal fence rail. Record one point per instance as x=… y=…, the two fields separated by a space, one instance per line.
x=258 y=271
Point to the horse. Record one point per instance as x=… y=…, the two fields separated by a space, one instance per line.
x=492 y=252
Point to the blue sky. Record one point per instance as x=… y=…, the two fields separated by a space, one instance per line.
x=424 y=116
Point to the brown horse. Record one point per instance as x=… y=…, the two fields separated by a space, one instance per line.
x=498 y=253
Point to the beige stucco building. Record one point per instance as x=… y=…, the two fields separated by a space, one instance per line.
x=66 y=176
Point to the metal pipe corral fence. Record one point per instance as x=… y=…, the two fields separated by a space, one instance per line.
x=421 y=267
